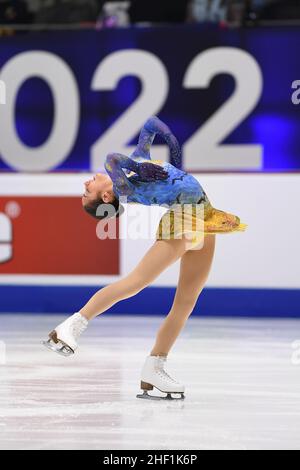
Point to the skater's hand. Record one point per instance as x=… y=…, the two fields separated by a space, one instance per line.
x=151 y=172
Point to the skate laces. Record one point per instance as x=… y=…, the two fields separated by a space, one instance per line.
x=79 y=325
x=161 y=371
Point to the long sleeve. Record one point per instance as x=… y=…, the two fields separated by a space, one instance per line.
x=113 y=166
x=152 y=127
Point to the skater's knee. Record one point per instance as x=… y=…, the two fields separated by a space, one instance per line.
x=134 y=290
x=131 y=285
x=138 y=286
x=184 y=307
x=142 y=283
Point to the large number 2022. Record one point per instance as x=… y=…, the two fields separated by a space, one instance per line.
x=204 y=150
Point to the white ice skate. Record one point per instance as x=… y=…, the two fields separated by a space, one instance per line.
x=63 y=339
x=154 y=375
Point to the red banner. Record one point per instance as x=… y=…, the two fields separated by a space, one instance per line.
x=52 y=235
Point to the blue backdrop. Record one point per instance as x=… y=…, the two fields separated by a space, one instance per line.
x=273 y=123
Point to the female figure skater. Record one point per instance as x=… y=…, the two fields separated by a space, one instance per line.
x=152 y=182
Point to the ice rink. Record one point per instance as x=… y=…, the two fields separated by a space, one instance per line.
x=242 y=390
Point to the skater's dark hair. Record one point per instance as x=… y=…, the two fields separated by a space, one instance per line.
x=107 y=211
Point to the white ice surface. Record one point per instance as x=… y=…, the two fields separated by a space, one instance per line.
x=242 y=391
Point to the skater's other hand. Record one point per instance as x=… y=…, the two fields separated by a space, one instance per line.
x=151 y=172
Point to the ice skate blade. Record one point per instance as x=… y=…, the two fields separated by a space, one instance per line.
x=60 y=348
x=145 y=395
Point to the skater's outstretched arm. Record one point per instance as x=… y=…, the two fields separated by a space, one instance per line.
x=152 y=127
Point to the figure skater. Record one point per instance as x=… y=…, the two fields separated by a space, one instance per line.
x=160 y=183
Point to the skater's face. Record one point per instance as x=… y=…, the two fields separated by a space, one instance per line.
x=100 y=186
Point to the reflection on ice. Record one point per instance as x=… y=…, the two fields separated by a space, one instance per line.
x=242 y=390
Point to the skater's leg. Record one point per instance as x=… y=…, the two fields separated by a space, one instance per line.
x=63 y=339
x=194 y=270
x=162 y=254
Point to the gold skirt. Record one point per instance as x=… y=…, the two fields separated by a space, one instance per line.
x=195 y=221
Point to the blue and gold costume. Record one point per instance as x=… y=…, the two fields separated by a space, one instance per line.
x=178 y=189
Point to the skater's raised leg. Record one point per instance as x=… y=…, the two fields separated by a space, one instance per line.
x=161 y=255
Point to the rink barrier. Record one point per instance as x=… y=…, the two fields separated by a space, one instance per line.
x=223 y=302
